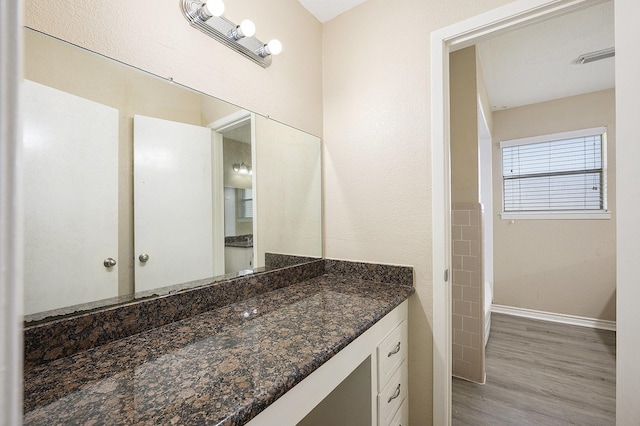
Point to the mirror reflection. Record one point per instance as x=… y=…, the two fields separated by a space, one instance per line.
x=238 y=200
x=135 y=185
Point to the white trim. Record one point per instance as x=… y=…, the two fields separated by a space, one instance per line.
x=231 y=121
x=220 y=126
x=487 y=332
x=441 y=231
x=255 y=185
x=553 y=317
x=554 y=137
x=11 y=229
x=605 y=170
x=217 y=195
x=443 y=41
x=591 y=215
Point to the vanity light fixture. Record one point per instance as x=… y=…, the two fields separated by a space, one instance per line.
x=596 y=56
x=242 y=169
x=207 y=17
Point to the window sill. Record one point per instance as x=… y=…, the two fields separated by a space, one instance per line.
x=602 y=215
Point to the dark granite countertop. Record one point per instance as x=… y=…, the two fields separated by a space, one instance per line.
x=240 y=244
x=220 y=367
x=243 y=241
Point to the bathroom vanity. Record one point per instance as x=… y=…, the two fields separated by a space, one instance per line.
x=263 y=350
x=134 y=332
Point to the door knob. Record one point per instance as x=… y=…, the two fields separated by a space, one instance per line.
x=144 y=257
x=109 y=262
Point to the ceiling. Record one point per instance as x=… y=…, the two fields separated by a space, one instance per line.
x=326 y=10
x=536 y=63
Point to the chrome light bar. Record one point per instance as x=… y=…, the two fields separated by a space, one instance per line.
x=225 y=31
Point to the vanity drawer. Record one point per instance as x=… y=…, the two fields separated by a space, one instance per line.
x=391 y=352
x=402 y=415
x=392 y=395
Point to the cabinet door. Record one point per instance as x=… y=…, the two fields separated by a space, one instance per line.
x=70 y=164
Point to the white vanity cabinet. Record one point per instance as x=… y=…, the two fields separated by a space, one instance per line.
x=392 y=375
x=382 y=351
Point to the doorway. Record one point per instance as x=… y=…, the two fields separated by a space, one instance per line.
x=455 y=37
x=235 y=135
x=549 y=249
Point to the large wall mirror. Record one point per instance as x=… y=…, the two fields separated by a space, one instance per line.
x=137 y=186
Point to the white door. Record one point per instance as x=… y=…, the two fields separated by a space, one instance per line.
x=172 y=202
x=70 y=153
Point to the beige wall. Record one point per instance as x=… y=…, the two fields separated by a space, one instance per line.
x=560 y=266
x=464 y=126
x=377 y=174
x=154 y=35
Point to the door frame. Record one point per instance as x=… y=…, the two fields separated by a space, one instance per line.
x=219 y=127
x=11 y=210
x=443 y=42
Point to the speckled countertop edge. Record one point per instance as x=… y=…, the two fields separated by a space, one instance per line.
x=220 y=367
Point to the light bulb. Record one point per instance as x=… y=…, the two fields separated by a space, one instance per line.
x=213 y=8
x=245 y=29
x=242 y=169
x=274 y=47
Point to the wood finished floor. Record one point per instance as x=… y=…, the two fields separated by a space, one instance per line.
x=541 y=373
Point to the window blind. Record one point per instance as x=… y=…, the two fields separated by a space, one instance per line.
x=245 y=204
x=556 y=175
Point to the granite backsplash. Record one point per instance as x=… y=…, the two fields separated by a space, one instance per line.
x=50 y=340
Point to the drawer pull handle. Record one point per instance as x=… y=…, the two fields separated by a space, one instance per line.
x=395 y=351
x=395 y=394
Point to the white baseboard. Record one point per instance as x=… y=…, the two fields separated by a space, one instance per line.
x=549 y=316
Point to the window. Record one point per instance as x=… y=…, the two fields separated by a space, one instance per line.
x=563 y=174
x=244 y=201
